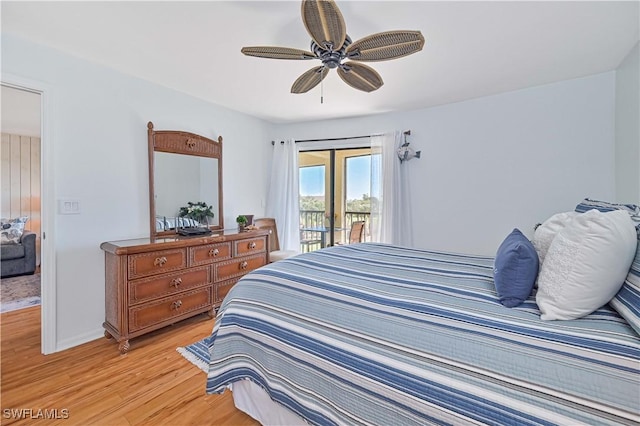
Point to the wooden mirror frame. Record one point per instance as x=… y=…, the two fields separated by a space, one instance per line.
x=178 y=142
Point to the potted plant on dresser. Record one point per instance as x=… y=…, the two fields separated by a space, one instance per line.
x=242 y=222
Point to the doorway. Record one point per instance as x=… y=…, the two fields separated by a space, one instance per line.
x=34 y=98
x=335 y=193
x=20 y=198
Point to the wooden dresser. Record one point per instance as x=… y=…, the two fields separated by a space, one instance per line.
x=150 y=284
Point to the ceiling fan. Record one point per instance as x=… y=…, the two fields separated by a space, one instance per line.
x=331 y=44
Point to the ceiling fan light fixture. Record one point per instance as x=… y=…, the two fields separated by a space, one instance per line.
x=331 y=58
x=331 y=44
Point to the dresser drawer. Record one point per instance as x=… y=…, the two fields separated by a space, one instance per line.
x=204 y=255
x=145 y=289
x=250 y=246
x=238 y=267
x=157 y=262
x=165 y=309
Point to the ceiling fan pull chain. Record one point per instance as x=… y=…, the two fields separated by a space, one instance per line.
x=321 y=87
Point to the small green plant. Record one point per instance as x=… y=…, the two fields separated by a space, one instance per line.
x=242 y=220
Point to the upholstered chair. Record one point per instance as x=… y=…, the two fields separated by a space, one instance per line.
x=275 y=253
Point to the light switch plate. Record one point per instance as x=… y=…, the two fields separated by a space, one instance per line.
x=68 y=206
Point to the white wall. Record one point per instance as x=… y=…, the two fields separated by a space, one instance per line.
x=100 y=140
x=495 y=163
x=628 y=128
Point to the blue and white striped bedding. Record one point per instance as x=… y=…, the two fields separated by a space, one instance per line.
x=379 y=334
x=164 y=223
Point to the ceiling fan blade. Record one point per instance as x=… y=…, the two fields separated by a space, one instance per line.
x=325 y=23
x=309 y=79
x=386 y=45
x=275 y=52
x=360 y=76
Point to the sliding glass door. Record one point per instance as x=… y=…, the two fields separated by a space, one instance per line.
x=334 y=196
x=315 y=173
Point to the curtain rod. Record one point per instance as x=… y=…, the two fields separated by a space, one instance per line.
x=407 y=132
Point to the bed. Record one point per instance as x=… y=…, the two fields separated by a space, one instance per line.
x=165 y=223
x=380 y=334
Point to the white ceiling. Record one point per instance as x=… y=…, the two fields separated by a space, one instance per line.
x=472 y=48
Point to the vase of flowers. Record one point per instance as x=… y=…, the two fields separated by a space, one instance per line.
x=198 y=211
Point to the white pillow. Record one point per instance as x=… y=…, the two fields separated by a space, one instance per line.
x=545 y=233
x=586 y=264
x=12 y=229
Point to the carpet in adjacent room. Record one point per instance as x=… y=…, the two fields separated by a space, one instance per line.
x=19 y=292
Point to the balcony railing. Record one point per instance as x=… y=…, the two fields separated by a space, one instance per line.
x=311 y=240
x=311 y=218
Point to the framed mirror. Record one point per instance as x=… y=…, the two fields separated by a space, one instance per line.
x=185 y=182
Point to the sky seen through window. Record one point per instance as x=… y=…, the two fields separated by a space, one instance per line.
x=312 y=178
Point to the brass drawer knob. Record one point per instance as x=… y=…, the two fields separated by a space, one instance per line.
x=244 y=264
x=160 y=261
x=176 y=282
x=252 y=245
x=214 y=252
x=175 y=305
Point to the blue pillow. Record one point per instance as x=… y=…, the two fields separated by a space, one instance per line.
x=515 y=269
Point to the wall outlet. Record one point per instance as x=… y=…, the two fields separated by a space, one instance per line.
x=68 y=206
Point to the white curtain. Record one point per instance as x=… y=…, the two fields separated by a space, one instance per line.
x=391 y=215
x=283 y=200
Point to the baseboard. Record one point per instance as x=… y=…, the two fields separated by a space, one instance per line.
x=80 y=339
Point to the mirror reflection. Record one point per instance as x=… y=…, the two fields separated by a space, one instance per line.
x=185 y=191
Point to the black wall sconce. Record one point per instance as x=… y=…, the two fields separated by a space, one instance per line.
x=405 y=152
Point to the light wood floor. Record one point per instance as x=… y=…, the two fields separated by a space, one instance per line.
x=152 y=384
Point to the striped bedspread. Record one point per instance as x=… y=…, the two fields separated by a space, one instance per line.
x=165 y=223
x=378 y=334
